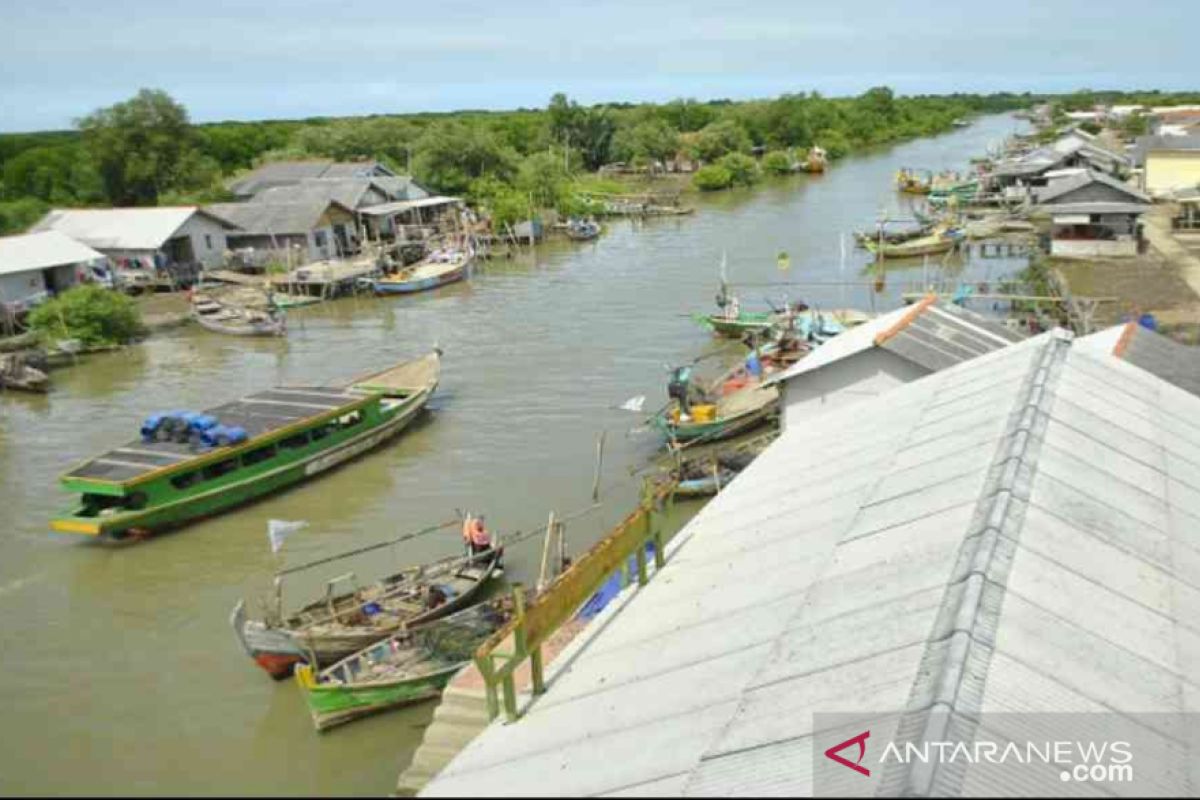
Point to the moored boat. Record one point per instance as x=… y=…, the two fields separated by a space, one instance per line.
x=582 y=230
x=188 y=465
x=732 y=413
x=439 y=269
x=16 y=374
x=218 y=317
x=408 y=667
x=334 y=626
x=933 y=244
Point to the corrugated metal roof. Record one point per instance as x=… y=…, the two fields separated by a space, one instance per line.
x=1095 y=208
x=41 y=250
x=401 y=206
x=1065 y=186
x=930 y=335
x=1159 y=355
x=287 y=173
x=347 y=191
x=1018 y=532
x=276 y=218
x=120 y=228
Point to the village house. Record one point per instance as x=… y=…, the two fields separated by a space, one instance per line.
x=289 y=173
x=1169 y=163
x=892 y=349
x=310 y=229
x=1076 y=149
x=1093 y=215
x=146 y=245
x=35 y=266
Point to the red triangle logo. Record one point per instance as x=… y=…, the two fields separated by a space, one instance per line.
x=861 y=741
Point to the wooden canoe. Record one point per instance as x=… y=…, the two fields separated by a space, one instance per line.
x=337 y=625
x=234 y=321
x=735 y=412
x=425 y=275
x=408 y=667
x=933 y=244
x=17 y=375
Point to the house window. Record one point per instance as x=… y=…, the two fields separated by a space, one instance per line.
x=319 y=238
x=208 y=241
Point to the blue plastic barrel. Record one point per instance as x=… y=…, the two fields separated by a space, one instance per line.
x=1148 y=322
x=151 y=425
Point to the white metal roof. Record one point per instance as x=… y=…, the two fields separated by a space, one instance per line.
x=41 y=250
x=930 y=335
x=401 y=206
x=120 y=228
x=1020 y=532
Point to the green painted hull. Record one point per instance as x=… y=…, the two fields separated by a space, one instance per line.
x=745 y=323
x=189 y=508
x=332 y=705
x=711 y=431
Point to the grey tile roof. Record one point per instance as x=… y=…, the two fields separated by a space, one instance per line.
x=350 y=192
x=287 y=173
x=275 y=218
x=1159 y=355
x=1020 y=532
x=1059 y=190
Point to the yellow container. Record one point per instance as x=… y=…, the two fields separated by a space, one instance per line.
x=706 y=413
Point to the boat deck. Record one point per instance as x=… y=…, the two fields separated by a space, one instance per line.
x=260 y=414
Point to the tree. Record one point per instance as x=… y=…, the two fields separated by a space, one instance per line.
x=712 y=177
x=777 y=162
x=719 y=138
x=89 y=313
x=543 y=178
x=646 y=142
x=139 y=146
x=590 y=130
x=450 y=155
x=743 y=171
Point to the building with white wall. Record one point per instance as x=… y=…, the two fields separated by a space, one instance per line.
x=35 y=266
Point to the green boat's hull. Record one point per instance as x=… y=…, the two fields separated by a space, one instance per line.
x=332 y=705
x=711 y=431
x=736 y=328
x=118 y=527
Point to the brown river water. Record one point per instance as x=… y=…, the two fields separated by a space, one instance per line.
x=120 y=672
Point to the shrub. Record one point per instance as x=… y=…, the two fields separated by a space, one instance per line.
x=743 y=170
x=91 y=314
x=712 y=177
x=777 y=162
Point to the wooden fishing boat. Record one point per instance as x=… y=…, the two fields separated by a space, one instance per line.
x=933 y=244
x=186 y=466
x=218 y=317
x=336 y=625
x=737 y=327
x=17 y=375
x=910 y=182
x=582 y=231
x=408 y=667
x=438 y=270
x=731 y=414
x=704 y=485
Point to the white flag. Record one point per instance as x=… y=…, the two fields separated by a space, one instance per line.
x=634 y=403
x=277 y=529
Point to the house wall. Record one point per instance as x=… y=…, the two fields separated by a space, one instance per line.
x=208 y=239
x=1093 y=193
x=857 y=377
x=1123 y=247
x=1167 y=171
x=18 y=288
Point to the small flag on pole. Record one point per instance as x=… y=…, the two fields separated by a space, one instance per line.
x=278 y=529
x=634 y=403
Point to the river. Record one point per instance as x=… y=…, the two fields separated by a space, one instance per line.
x=120 y=672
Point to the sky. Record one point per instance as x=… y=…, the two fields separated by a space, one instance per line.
x=287 y=59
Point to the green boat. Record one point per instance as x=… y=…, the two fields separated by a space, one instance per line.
x=407 y=668
x=731 y=414
x=187 y=465
x=737 y=327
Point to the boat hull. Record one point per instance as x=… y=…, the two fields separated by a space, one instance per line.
x=120 y=527
x=423 y=284
x=715 y=430
x=278 y=651
x=332 y=705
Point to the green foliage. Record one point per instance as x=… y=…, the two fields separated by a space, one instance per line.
x=141 y=147
x=17 y=215
x=834 y=142
x=451 y=155
x=712 y=177
x=1091 y=127
x=743 y=170
x=777 y=162
x=646 y=143
x=94 y=315
x=1134 y=125
x=719 y=138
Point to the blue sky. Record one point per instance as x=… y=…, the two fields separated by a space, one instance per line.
x=276 y=59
